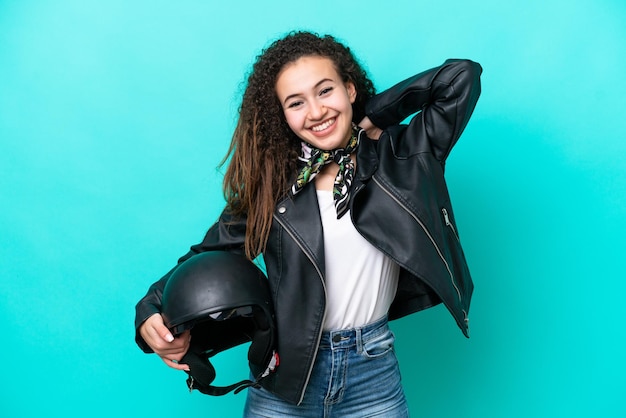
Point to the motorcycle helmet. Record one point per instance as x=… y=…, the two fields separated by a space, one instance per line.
x=224 y=300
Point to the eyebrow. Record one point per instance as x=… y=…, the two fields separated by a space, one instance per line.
x=315 y=86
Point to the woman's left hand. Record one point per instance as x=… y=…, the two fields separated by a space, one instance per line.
x=372 y=131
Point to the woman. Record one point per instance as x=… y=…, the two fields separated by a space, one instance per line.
x=351 y=213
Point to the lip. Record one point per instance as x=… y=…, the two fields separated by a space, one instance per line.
x=327 y=130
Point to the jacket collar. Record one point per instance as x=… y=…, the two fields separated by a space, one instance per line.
x=366 y=157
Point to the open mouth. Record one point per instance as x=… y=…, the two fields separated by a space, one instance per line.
x=322 y=126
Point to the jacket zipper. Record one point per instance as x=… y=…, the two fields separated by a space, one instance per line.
x=432 y=240
x=448 y=223
x=319 y=273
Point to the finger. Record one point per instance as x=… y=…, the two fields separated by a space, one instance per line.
x=175 y=364
x=162 y=330
x=166 y=335
x=175 y=350
x=154 y=332
x=186 y=337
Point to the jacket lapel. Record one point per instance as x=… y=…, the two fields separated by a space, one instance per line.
x=300 y=216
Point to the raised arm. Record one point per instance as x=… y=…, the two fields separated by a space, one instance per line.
x=443 y=97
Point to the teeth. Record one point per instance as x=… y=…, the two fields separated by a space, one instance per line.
x=323 y=126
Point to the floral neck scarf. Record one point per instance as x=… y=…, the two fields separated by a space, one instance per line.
x=315 y=159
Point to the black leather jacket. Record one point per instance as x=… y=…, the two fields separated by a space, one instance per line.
x=399 y=203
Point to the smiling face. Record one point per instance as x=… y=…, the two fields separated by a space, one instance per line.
x=316 y=102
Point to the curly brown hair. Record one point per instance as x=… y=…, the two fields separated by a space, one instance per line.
x=263 y=152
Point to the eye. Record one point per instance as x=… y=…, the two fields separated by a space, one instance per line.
x=325 y=91
x=294 y=104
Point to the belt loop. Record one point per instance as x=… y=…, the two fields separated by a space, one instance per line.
x=359 y=340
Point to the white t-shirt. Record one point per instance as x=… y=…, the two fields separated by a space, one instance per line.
x=361 y=281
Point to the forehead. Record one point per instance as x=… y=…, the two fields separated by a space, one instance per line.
x=305 y=73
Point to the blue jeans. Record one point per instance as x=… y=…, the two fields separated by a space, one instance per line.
x=355 y=374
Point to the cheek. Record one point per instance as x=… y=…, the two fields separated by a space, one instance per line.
x=293 y=120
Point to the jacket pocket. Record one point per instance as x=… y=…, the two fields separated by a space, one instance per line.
x=379 y=345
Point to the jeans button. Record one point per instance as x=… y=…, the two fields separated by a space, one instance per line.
x=336 y=338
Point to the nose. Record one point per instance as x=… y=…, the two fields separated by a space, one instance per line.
x=316 y=110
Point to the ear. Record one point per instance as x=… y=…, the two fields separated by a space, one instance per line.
x=351 y=89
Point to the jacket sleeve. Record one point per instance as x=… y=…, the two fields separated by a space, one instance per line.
x=227 y=234
x=443 y=97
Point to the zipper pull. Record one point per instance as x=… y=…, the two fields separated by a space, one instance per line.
x=445 y=216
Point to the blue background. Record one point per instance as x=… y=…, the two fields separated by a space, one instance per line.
x=114 y=116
